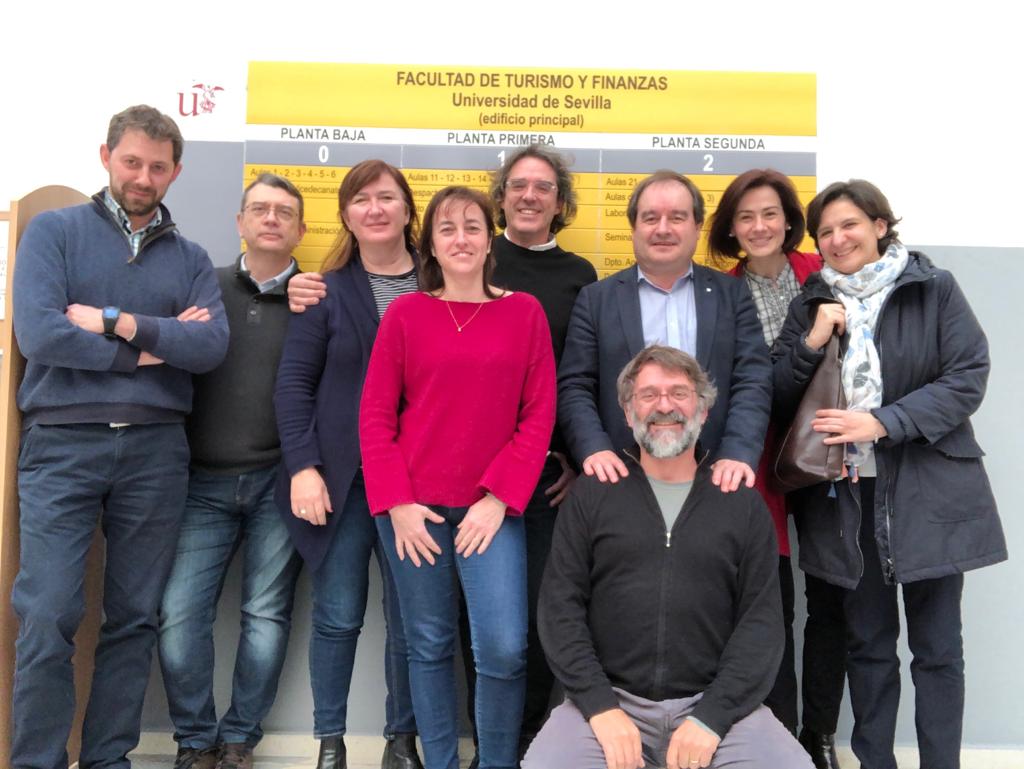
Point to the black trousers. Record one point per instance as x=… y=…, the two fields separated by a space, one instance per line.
x=932 y=609
x=539 y=518
x=824 y=656
x=781 y=700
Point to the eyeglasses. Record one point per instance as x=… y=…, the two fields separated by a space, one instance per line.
x=649 y=395
x=540 y=186
x=284 y=214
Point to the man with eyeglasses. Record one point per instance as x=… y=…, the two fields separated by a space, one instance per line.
x=235 y=457
x=666 y=299
x=114 y=312
x=661 y=612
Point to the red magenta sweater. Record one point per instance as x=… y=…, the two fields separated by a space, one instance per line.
x=448 y=415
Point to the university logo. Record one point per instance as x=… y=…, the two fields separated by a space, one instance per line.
x=202 y=100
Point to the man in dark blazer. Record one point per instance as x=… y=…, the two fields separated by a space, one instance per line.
x=666 y=299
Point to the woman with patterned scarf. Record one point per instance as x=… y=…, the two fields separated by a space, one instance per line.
x=914 y=506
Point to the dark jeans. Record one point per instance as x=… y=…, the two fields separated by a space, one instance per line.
x=339 y=603
x=932 y=609
x=494 y=583
x=781 y=700
x=224 y=513
x=133 y=481
x=539 y=518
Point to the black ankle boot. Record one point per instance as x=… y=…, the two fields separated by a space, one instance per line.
x=821 y=747
x=400 y=753
x=332 y=754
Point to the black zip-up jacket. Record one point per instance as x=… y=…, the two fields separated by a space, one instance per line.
x=663 y=615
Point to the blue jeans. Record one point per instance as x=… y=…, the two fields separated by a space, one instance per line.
x=494 y=585
x=222 y=514
x=133 y=481
x=339 y=603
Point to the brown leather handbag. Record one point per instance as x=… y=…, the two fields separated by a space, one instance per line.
x=804 y=459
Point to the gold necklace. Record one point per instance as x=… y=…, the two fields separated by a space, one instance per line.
x=459 y=327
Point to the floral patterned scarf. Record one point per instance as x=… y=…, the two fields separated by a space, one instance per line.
x=863 y=293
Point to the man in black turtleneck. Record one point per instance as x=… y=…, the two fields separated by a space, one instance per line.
x=535 y=199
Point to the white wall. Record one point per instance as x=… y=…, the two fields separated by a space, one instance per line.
x=922 y=99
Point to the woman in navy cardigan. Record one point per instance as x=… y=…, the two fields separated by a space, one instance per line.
x=321 y=496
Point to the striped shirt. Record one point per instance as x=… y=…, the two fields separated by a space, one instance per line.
x=388 y=287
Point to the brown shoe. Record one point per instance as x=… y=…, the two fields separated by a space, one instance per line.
x=235 y=755
x=196 y=758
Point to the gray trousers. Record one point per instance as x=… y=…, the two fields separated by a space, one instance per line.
x=758 y=741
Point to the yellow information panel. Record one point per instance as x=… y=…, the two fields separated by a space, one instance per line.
x=454 y=125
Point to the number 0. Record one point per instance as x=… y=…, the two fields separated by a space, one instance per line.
x=323 y=153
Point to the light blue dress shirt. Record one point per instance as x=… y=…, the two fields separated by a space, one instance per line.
x=274 y=282
x=669 y=317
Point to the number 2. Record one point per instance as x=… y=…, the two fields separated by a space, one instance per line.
x=709 y=161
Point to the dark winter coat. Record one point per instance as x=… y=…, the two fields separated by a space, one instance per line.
x=935 y=514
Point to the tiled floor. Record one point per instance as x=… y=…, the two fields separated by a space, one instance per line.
x=364 y=753
x=143 y=761
x=277 y=751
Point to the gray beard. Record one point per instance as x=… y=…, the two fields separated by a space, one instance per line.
x=665 y=445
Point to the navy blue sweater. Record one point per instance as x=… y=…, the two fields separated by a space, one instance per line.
x=81 y=255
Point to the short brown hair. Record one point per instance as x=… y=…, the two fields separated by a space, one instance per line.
x=664 y=176
x=279 y=182
x=670 y=359
x=863 y=194
x=152 y=122
x=722 y=244
x=345 y=245
x=431 y=277
x=563 y=178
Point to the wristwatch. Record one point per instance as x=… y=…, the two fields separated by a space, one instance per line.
x=110 y=316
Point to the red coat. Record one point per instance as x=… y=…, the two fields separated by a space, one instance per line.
x=803 y=265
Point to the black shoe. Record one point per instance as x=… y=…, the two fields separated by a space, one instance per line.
x=400 y=753
x=196 y=758
x=821 y=748
x=332 y=754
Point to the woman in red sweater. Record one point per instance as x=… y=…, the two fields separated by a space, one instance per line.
x=455 y=422
x=760 y=222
